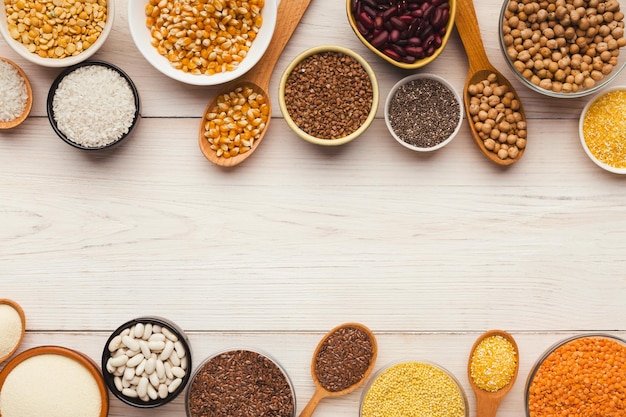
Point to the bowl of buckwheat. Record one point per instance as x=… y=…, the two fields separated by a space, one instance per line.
x=56 y=36
x=202 y=43
x=328 y=95
x=563 y=49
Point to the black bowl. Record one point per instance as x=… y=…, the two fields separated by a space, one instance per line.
x=109 y=377
x=53 y=90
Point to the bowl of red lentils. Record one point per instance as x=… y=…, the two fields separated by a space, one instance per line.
x=414 y=388
x=407 y=34
x=52 y=35
x=579 y=376
x=601 y=129
x=328 y=95
x=200 y=42
x=563 y=49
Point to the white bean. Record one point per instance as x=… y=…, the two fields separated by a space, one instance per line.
x=154 y=380
x=150 y=365
x=145 y=349
x=160 y=369
x=156 y=337
x=168 y=370
x=167 y=350
x=163 y=391
x=135 y=360
x=142 y=386
x=156 y=345
x=130 y=343
x=174 y=385
x=180 y=349
x=115 y=343
x=147 y=331
x=118 y=383
x=178 y=372
x=139 y=328
x=141 y=368
x=118 y=361
x=129 y=392
x=174 y=359
x=129 y=374
x=184 y=362
x=152 y=393
x=156 y=328
x=169 y=334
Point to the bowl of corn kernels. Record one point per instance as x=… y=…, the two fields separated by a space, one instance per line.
x=178 y=42
x=563 y=49
x=56 y=36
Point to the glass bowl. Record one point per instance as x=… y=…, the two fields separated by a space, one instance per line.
x=289 y=118
x=605 y=81
x=573 y=352
x=398 y=61
x=90 y=119
x=414 y=388
x=143 y=40
x=23 y=51
x=236 y=380
x=179 y=346
x=34 y=379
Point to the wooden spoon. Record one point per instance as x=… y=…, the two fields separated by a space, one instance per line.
x=487 y=402
x=29 y=101
x=289 y=14
x=320 y=391
x=479 y=69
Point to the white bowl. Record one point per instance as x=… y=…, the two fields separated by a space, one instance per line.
x=581 y=134
x=23 y=51
x=446 y=84
x=142 y=37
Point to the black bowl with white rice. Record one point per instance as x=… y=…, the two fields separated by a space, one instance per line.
x=93 y=105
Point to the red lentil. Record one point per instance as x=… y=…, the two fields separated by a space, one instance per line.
x=584 y=377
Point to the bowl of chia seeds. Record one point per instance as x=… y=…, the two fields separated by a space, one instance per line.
x=240 y=383
x=423 y=112
x=328 y=95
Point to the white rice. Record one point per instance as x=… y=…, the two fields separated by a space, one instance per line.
x=13 y=93
x=94 y=106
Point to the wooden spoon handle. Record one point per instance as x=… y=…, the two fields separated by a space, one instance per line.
x=469 y=31
x=486 y=406
x=288 y=16
x=315 y=399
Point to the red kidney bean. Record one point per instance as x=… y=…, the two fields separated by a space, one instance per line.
x=404 y=30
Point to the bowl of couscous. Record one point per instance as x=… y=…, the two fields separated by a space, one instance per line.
x=202 y=54
x=56 y=36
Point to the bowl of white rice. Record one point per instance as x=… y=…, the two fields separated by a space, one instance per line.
x=93 y=105
x=45 y=33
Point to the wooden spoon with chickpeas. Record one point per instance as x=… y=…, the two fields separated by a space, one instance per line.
x=251 y=89
x=494 y=111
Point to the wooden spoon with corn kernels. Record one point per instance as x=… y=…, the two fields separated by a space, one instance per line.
x=289 y=14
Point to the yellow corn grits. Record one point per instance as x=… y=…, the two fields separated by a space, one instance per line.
x=604 y=128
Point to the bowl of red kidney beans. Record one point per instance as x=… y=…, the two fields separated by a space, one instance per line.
x=407 y=33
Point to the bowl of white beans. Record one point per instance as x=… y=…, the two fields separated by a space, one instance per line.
x=56 y=36
x=146 y=362
x=563 y=49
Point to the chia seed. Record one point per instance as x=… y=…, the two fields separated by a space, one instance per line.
x=424 y=112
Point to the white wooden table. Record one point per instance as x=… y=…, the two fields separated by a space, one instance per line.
x=428 y=251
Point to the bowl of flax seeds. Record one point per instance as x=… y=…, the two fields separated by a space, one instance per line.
x=328 y=95
x=240 y=383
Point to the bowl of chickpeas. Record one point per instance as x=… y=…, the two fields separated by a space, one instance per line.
x=56 y=36
x=202 y=43
x=563 y=49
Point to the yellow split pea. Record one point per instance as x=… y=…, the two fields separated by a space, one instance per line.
x=604 y=128
x=415 y=389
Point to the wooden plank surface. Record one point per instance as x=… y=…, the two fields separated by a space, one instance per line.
x=427 y=250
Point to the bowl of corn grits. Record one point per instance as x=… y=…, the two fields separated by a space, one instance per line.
x=211 y=47
x=56 y=36
x=601 y=129
x=414 y=388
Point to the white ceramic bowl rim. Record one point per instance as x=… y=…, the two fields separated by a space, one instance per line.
x=142 y=38
x=447 y=84
x=21 y=49
x=581 y=93
x=582 y=135
x=375 y=99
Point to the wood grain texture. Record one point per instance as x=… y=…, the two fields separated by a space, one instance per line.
x=428 y=251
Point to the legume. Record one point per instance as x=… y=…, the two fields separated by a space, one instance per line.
x=496 y=114
x=604 y=128
x=405 y=31
x=564 y=45
x=56 y=28
x=147 y=361
x=413 y=389
x=343 y=358
x=582 y=377
x=493 y=363
x=424 y=112
x=204 y=36
x=236 y=121
x=329 y=95
x=240 y=383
